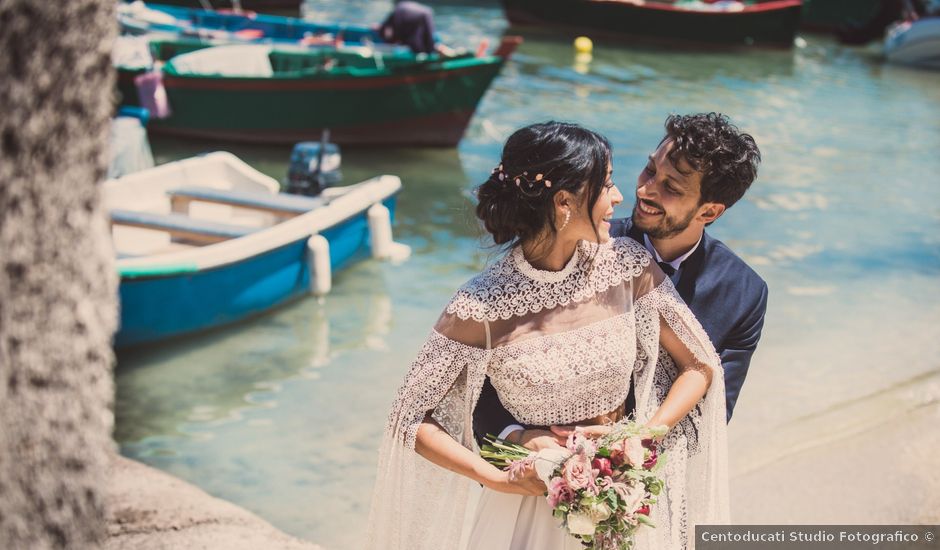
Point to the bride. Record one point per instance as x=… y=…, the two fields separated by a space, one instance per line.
x=560 y=324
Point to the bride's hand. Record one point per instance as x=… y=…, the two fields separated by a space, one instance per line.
x=528 y=484
x=537 y=440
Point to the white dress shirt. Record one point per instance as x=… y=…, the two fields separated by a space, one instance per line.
x=675 y=263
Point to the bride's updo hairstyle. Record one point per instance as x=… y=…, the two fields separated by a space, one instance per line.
x=516 y=202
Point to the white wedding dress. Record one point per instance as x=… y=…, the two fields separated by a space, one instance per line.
x=559 y=347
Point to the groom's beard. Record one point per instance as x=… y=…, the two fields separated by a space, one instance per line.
x=667 y=226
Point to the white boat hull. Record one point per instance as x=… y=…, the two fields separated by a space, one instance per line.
x=915 y=44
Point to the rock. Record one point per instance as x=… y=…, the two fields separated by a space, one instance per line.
x=149 y=509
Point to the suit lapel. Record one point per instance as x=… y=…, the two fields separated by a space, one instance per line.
x=691 y=268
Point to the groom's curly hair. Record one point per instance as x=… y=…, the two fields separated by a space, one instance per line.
x=711 y=144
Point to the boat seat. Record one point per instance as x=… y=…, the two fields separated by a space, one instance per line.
x=279 y=204
x=181 y=228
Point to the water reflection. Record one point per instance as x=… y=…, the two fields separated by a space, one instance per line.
x=189 y=385
x=623 y=63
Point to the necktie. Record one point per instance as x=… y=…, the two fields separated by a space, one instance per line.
x=667 y=269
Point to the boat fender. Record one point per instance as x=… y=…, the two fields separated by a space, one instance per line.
x=380 y=235
x=380 y=230
x=318 y=261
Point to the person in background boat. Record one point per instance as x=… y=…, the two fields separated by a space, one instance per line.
x=889 y=12
x=412 y=24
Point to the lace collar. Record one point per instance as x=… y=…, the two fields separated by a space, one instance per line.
x=513 y=287
x=543 y=276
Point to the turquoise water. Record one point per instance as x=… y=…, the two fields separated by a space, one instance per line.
x=282 y=415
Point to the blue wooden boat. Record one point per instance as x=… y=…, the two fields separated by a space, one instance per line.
x=231 y=27
x=209 y=241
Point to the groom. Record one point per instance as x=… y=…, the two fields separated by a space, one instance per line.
x=702 y=166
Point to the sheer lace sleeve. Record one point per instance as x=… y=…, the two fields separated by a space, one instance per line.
x=416 y=504
x=437 y=380
x=696 y=448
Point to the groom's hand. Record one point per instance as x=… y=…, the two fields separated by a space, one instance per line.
x=536 y=440
x=593 y=432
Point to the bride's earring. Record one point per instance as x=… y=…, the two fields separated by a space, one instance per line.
x=567 y=219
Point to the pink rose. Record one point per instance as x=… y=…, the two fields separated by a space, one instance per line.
x=602 y=465
x=559 y=492
x=578 y=473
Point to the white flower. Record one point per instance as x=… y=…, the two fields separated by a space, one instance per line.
x=599 y=511
x=634 y=497
x=581 y=523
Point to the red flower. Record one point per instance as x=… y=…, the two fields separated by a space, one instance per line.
x=603 y=466
x=645 y=510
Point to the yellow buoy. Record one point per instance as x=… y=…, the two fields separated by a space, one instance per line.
x=583 y=44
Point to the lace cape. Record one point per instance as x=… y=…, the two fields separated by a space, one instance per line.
x=417 y=504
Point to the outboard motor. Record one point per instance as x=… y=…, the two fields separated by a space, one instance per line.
x=314 y=166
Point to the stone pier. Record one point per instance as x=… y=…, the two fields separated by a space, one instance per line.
x=148 y=510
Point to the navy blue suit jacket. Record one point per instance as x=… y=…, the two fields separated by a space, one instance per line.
x=723 y=292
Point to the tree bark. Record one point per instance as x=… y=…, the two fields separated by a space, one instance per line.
x=58 y=305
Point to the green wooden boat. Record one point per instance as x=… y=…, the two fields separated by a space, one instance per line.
x=265 y=94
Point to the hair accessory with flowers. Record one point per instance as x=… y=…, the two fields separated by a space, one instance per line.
x=530 y=185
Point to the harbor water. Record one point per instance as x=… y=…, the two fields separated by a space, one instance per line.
x=283 y=414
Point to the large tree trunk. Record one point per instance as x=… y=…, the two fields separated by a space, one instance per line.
x=57 y=281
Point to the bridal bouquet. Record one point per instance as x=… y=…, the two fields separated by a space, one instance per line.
x=601 y=489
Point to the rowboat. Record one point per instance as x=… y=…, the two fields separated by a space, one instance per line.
x=135 y=55
x=138 y=18
x=772 y=23
x=265 y=94
x=914 y=43
x=209 y=241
